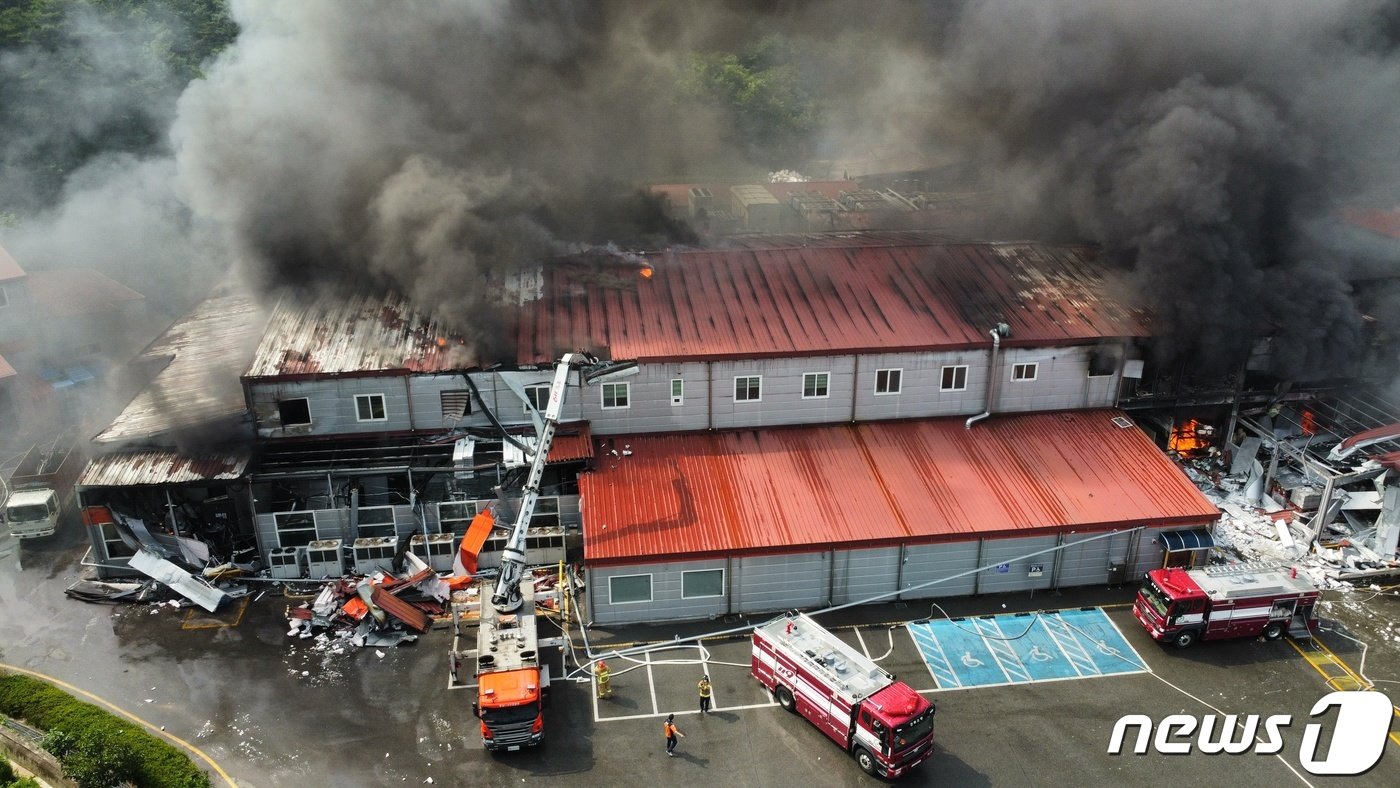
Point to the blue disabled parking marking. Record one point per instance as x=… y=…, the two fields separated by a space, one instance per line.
x=1023 y=648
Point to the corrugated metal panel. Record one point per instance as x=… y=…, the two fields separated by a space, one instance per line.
x=862 y=574
x=571 y=443
x=780 y=582
x=161 y=467
x=217 y=335
x=337 y=336
x=765 y=302
x=880 y=483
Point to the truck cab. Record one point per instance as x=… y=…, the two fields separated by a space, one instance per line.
x=510 y=705
x=31 y=514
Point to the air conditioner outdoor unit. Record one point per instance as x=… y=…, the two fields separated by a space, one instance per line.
x=374 y=554
x=435 y=549
x=285 y=563
x=325 y=559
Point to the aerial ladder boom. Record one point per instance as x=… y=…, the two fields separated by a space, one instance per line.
x=507 y=594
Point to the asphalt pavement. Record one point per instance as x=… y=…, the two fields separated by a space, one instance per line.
x=271 y=710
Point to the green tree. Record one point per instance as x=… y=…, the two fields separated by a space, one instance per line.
x=764 y=91
x=100 y=759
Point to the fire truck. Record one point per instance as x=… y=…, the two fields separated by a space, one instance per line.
x=883 y=723
x=511 y=680
x=1233 y=601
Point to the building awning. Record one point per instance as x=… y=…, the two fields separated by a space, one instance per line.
x=1181 y=541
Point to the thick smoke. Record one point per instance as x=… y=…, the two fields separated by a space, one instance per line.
x=1209 y=147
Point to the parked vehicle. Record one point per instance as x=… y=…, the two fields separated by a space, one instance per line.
x=40 y=489
x=882 y=722
x=1182 y=606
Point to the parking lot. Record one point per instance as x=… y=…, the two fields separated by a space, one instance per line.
x=272 y=710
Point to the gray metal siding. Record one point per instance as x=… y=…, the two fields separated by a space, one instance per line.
x=650 y=408
x=781 y=400
x=780 y=582
x=1003 y=551
x=332 y=405
x=667 y=603
x=1149 y=554
x=862 y=574
x=1087 y=563
x=926 y=562
x=1062 y=381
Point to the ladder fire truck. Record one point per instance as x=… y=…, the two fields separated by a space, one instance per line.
x=883 y=723
x=511 y=679
x=1238 y=600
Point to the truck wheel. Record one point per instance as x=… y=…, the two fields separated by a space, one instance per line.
x=865 y=760
x=785 y=698
x=1273 y=631
x=1185 y=638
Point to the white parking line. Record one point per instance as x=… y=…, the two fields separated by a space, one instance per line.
x=691 y=713
x=651 y=681
x=944 y=665
x=714 y=697
x=1001 y=651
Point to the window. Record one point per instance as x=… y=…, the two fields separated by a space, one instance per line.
x=1103 y=363
x=538 y=397
x=954 y=379
x=294 y=412
x=887 y=381
x=1023 y=371
x=617 y=395
x=815 y=385
x=629 y=588
x=376 y=521
x=295 y=529
x=456 y=404
x=748 y=389
x=702 y=583
x=370 y=407
x=455 y=516
x=677 y=391
x=116 y=548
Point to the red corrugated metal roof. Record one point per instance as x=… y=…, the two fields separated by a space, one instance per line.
x=68 y=292
x=766 y=302
x=879 y=483
x=572 y=442
x=9 y=269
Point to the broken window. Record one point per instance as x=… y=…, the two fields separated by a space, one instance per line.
x=887 y=381
x=376 y=521
x=748 y=388
x=702 y=583
x=954 y=378
x=616 y=395
x=629 y=588
x=111 y=539
x=677 y=391
x=538 y=397
x=815 y=385
x=1024 y=371
x=369 y=407
x=456 y=404
x=294 y=412
x=295 y=529
x=455 y=516
x=1103 y=362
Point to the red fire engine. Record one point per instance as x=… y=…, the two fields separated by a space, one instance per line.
x=1232 y=601
x=883 y=723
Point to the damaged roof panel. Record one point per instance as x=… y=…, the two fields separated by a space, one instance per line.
x=851 y=292
x=347 y=335
x=216 y=336
x=880 y=483
x=162 y=467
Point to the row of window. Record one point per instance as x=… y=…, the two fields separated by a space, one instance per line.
x=618 y=396
x=695 y=584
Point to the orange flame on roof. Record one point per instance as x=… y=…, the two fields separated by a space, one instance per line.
x=646 y=272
